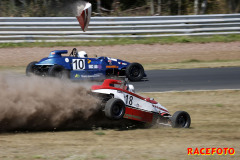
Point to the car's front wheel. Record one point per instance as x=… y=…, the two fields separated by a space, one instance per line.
x=114 y=109
x=58 y=71
x=181 y=119
x=134 y=72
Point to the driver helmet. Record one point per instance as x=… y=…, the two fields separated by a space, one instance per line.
x=131 y=88
x=82 y=54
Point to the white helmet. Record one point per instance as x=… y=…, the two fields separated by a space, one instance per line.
x=82 y=54
x=131 y=88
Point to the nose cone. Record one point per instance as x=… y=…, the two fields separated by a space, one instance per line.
x=84 y=17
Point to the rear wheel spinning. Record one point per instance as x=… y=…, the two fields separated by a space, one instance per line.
x=31 y=68
x=58 y=71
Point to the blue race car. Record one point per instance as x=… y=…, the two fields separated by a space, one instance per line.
x=77 y=66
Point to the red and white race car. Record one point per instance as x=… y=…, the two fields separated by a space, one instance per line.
x=119 y=101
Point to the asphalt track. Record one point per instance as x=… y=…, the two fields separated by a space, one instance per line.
x=190 y=79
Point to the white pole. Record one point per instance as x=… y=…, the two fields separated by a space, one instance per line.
x=152 y=7
x=159 y=7
x=196 y=7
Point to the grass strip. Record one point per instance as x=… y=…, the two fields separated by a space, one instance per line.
x=193 y=63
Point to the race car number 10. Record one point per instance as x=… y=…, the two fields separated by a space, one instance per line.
x=78 y=64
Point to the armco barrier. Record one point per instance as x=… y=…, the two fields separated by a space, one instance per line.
x=31 y=29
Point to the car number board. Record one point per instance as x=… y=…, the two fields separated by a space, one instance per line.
x=78 y=64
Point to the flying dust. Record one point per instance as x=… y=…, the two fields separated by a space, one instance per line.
x=36 y=103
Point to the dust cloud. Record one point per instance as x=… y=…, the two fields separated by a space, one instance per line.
x=36 y=103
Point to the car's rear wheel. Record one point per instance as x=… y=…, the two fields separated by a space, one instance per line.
x=134 y=72
x=114 y=109
x=58 y=71
x=181 y=119
x=31 y=68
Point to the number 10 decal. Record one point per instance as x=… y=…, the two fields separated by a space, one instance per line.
x=78 y=64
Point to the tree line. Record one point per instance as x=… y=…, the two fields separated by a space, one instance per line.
x=51 y=8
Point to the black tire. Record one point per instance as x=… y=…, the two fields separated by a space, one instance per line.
x=58 y=71
x=134 y=72
x=181 y=119
x=114 y=109
x=30 y=69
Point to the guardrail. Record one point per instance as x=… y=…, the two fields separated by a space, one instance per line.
x=31 y=29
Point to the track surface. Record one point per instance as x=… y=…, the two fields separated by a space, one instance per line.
x=190 y=79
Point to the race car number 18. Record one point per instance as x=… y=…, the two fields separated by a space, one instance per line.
x=129 y=100
x=78 y=64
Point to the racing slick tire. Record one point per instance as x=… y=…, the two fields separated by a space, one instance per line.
x=30 y=69
x=181 y=119
x=134 y=72
x=58 y=71
x=114 y=109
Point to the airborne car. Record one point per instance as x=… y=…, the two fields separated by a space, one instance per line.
x=78 y=66
x=119 y=101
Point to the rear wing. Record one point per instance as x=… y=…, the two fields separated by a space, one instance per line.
x=84 y=16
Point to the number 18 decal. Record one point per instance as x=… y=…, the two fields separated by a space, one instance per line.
x=78 y=64
x=128 y=99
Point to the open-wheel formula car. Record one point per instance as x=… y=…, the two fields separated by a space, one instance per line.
x=78 y=66
x=119 y=101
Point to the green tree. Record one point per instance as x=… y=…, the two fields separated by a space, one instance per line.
x=50 y=8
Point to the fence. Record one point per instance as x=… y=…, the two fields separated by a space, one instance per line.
x=31 y=29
